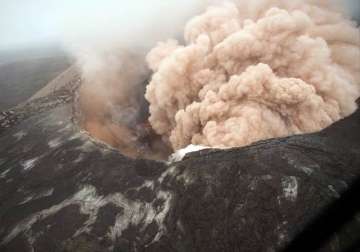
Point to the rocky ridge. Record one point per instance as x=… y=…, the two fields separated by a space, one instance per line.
x=61 y=190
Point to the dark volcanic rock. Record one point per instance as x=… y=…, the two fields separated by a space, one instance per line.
x=62 y=191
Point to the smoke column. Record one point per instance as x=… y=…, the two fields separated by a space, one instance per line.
x=109 y=45
x=253 y=70
x=243 y=71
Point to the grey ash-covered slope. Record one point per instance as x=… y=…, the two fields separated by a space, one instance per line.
x=23 y=71
x=62 y=191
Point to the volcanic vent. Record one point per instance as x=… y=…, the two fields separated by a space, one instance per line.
x=112 y=108
x=246 y=71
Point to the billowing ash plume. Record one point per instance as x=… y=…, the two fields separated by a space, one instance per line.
x=111 y=98
x=109 y=47
x=252 y=70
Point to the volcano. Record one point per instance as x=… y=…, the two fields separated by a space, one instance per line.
x=216 y=126
x=63 y=190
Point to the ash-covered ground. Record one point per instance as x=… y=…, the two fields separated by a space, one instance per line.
x=80 y=173
x=61 y=190
x=23 y=72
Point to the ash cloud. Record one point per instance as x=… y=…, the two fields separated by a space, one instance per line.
x=109 y=45
x=253 y=70
x=243 y=71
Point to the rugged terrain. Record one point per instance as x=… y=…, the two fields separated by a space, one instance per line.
x=60 y=190
x=23 y=72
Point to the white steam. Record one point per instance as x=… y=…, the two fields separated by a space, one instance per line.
x=109 y=44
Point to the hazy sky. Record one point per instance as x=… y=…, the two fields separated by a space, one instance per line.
x=30 y=21
x=27 y=22
x=35 y=21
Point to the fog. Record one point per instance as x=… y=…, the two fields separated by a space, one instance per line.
x=34 y=22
